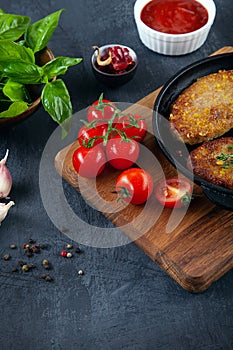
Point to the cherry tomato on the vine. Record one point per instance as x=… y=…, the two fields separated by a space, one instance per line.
x=89 y=162
x=90 y=136
x=134 y=126
x=122 y=153
x=174 y=192
x=134 y=185
x=101 y=109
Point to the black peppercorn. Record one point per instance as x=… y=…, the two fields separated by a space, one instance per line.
x=35 y=249
x=41 y=245
x=29 y=253
x=46 y=277
x=32 y=266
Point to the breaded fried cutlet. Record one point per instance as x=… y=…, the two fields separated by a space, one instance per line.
x=213 y=161
x=204 y=111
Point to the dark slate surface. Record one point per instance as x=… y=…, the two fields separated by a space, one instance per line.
x=124 y=300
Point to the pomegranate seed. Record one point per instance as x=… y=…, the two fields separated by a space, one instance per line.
x=64 y=253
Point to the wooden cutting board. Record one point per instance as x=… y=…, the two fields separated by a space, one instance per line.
x=197 y=252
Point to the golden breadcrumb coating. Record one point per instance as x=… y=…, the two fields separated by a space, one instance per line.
x=213 y=161
x=204 y=110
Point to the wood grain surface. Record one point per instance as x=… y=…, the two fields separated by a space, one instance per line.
x=195 y=251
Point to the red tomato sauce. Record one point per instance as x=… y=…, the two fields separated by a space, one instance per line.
x=174 y=16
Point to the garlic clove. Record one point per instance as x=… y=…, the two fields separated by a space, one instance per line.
x=3 y=161
x=5 y=178
x=4 y=210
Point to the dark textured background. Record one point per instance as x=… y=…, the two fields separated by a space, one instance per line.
x=124 y=300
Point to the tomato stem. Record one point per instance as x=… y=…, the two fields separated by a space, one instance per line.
x=101 y=105
x=132 y=120
x=91 y=141
x=89 y=125
x=116 y=115
x=123 y=193
x=186 y=199
x=100 y=101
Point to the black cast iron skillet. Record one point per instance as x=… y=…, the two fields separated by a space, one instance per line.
x=176 y=151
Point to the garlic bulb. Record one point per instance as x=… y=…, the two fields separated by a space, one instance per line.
x=4 y=210
x=5 y=178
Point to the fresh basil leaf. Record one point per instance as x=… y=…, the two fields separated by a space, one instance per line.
x=59 y=65
x=16 y=91
x=12 y=27
x=56 y=101
x=22 y=72
x=39 y=33
x=11 y=50
x=14 y=109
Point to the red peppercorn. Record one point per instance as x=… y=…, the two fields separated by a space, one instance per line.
x=64 y=253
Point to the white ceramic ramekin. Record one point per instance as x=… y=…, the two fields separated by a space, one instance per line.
x=173 y=44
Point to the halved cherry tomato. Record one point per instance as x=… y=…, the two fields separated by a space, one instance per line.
x=90 y=136
x=134 y=126
x=122 y=153
x=134 y=185
x=101 y=109
x=89 y=162
x=174 y=192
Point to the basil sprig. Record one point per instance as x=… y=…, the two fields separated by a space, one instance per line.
x=12 y=27
x=39 y=33
x=19 y=41
x=56 y=100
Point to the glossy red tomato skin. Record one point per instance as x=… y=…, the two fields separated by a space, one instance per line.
x=169 y=200
x=137 y=132
x=97 y=111
x=122 y=154
x=86 y=133
x=89 y=162
x=138 y=182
